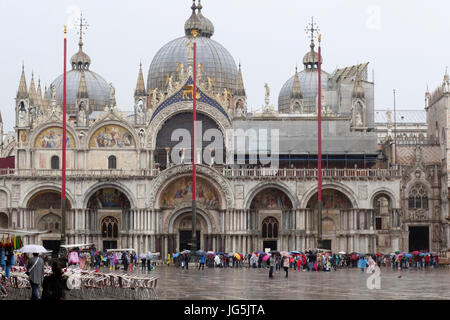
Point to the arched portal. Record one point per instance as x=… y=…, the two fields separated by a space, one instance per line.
x=333 y=202
x=47 y=211
x=270 y=209
x=111 y=207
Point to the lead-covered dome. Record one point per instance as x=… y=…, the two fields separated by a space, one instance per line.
x=217 y=62
x=309 y=80
x=97 y=87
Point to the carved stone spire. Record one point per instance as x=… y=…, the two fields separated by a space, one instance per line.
x=240 y=91
x=22 y=92
x=39 y=94
x=140 y=85
x=32 y=92
x=45 y=103
x=296 y=89
x=82 y=88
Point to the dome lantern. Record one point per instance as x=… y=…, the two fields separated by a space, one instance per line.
x=193 y=23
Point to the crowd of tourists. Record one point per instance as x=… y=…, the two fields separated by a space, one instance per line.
x=311 y=260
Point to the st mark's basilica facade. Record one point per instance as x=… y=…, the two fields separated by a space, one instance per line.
x=125 y=191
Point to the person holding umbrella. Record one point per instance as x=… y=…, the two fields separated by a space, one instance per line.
x=202 y=262
x=35 y=271
x=286 y=264
x=272 y=262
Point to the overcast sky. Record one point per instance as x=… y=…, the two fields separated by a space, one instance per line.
x=406 y=42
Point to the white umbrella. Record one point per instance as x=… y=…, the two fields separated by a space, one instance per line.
x=33 y=248
x=341 y=252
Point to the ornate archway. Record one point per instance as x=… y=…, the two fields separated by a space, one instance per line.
x=222 y=185
x=275 y=188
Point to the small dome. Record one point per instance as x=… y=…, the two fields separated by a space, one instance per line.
x=193 y=23
x=311 y=58
x=80 y=60
x=217 y=63
x=309 y=80
x=97 y=88
x=207 y=27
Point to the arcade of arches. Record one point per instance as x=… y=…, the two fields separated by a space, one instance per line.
x=272 y=220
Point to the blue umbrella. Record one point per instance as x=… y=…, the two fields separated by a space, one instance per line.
x=219 y=253
x=176 y=255
x=295 y=251
x=421 y=254
x=201 y=252
x=408 y=255
x=261 y=253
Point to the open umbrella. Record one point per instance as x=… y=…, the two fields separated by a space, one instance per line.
x=416 y=252
x=284 y=253
x=261 y=253
x=33 y=248
x=185 y=251
x=296 y=252
x=210 y=252
x=266 y=257
x=175 y=255
x=275 y=252
x=421 y=254
x=341 y=252
x=201 y=252
x=379 y=255
x=408 y=255
x=220 y=253
x=397 y=252
x=237 y=256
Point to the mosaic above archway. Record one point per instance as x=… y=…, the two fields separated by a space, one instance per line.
x=332 y=199
x=51 y=138
x=180 y=190
x=271 y=198
x=46 y=200
x=108 y=198
x=111 y=136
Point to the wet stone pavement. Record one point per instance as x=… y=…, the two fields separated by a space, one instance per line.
x=254 y=284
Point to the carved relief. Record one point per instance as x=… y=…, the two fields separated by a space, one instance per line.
x=362 y=192
x=239 y=190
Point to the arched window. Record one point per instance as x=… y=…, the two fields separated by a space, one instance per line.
x=270 y=228
x=55 y=163
x=418 y=197
x=110 y=227
x=112 y=162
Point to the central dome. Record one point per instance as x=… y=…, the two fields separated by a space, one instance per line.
x=217 y=62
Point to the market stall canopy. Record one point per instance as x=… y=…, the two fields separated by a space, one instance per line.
x=80 y=245
x=120 y=250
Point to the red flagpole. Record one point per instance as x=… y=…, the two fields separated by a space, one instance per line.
x=319 y=147
x=194 y=178
x=63 y=187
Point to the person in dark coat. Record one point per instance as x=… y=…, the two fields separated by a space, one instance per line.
x=35 y=271
x=54 y=286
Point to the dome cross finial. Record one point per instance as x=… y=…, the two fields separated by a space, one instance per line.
x=313 y=30
x=83 y=24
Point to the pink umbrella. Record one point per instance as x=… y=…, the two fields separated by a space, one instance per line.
x=284 y=253
x=266 y=257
